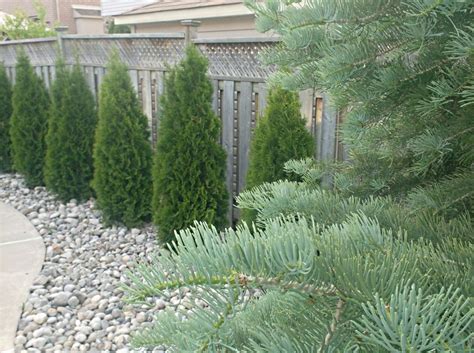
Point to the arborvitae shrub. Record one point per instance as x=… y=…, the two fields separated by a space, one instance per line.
x=5 y=113
x=280 y=135
x=29 y=122
x=68 y=166
x=122 y=152
x=189 y=170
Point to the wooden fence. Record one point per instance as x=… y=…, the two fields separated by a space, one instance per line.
x=237 y=75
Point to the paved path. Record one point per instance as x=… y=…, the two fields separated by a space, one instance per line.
x=21 y=258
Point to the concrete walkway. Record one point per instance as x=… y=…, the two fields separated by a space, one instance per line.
x=21 y=258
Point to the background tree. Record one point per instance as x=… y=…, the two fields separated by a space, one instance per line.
x=189 y=170
x=21 y=26
x=112 y=28
x=280 y=135
x=5 y=113
x=29 y=122
x=122 y=152
x=380 y=263
x=72 y=120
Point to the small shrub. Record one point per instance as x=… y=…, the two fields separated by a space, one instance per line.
x=280 y=135
x=189 y=170
x=68 y=166
x=29 y=122
x=122 y=152
x=5 y=113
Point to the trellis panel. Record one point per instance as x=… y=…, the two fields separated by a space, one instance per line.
x=237 y=75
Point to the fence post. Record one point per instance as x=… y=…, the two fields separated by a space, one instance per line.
x=60 y=31
x=190 y=32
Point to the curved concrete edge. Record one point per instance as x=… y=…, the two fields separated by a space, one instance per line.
x=22 y=254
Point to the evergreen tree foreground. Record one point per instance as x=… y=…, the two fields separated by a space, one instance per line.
x=280 y=136
x=29 y=122
x=189 y=170
x=72 y=121
x=5 y=114
x=122 y=152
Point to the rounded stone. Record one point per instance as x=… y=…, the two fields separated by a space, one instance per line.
x=73 y=302
x=80 y=337
x=61 y=299
x=40 y=318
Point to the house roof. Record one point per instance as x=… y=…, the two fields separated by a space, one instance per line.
x=169 y=5
x=86 y=11
x=170 y=10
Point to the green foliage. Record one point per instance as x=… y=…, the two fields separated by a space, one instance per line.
x=402 y=70
x=21 y=26
x=29 y=122
x=112 y=28
x=72 y=120
x=280 y=136
x=122 y=152
x=381 y=262
x=319 y=284
x=189 y=169
x=5 y=113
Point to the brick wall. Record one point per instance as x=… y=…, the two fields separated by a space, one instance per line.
x=65 y=17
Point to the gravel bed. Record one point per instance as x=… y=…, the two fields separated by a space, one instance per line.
x=75 y=303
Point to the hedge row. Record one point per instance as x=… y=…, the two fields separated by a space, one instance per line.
x=61 y=140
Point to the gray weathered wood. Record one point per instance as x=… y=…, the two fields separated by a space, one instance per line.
x=99 y=72
x=306 y=99
x=134 y=77
x=90 y=78
x=329 y=121
x=227 y=137
x=46 y=77
x=215 y=95
x=160 y=87
x=145 y=76
x=52 y=73
x=39 y=71
x=245 y=126
x=262 y=98
x=319 y=126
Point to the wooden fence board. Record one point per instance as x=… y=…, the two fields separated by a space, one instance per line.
x=145 y=76
x=99 y=73
x=245 y=115
x=134 y=77
x=46 y=77
x=227 y=137
x=329 y=119
x=90 y=78
x=262 y=98
x=306 y=99
x=319 y=125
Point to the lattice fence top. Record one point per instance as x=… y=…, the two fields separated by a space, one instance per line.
x=236 y=59
x=137 y=52
x=41 y=51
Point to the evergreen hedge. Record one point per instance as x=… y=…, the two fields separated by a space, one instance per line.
x=5 y=113
x=29 y=122
x=122 y=152
x=189 y=169
x=280 y=135
x=68 y=166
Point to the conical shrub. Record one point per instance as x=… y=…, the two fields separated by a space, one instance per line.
x=280 y=135
x=72 y=121
x=189 y=169
x=122 y=152
x=5 y=114
x=29 y=122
